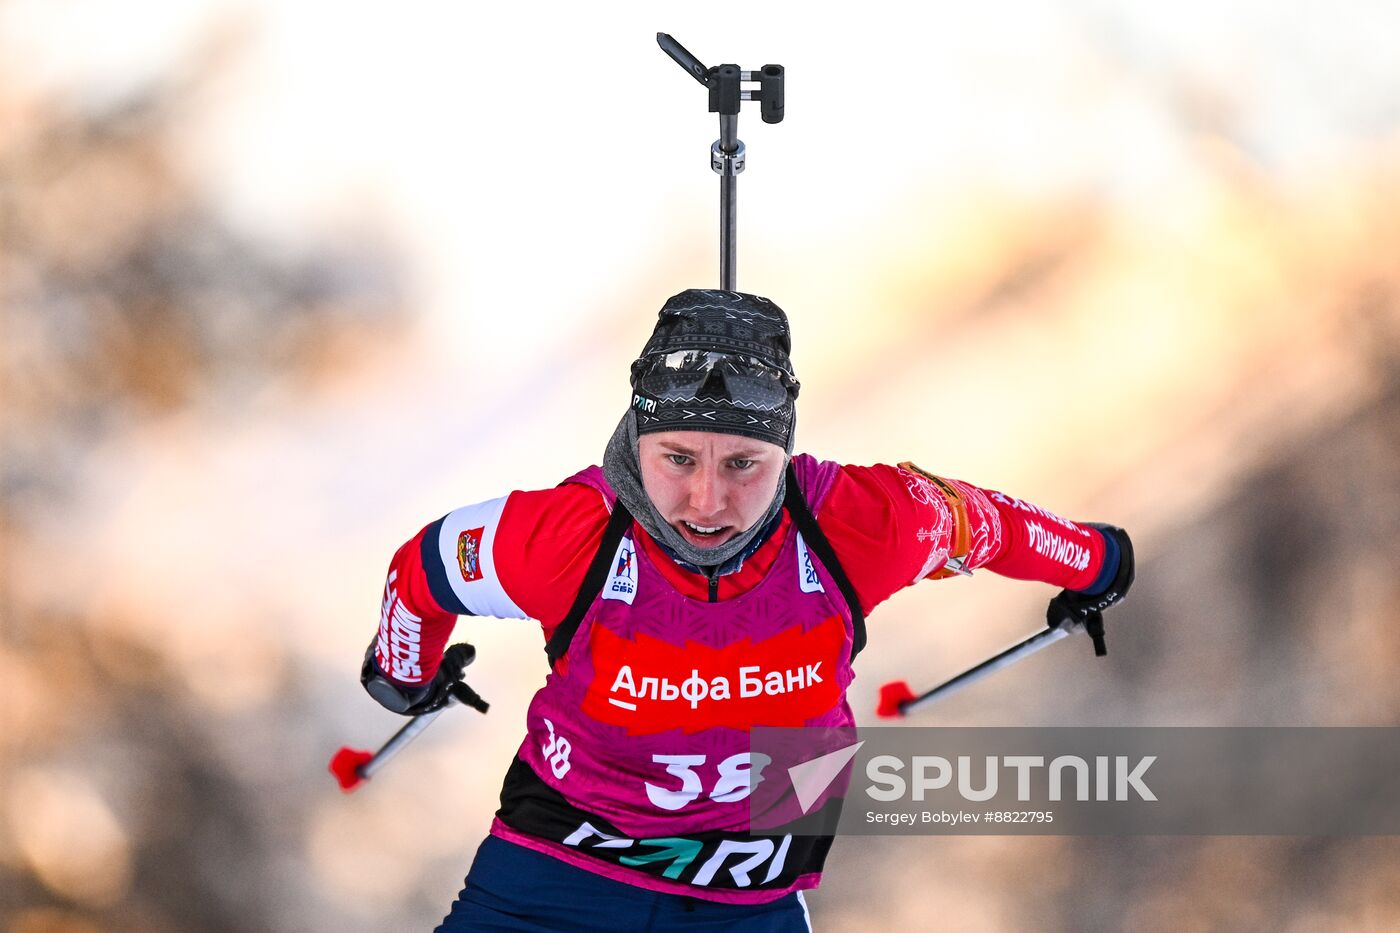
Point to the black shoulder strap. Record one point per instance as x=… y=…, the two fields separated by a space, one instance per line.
x=816 y=540
x=618 y=524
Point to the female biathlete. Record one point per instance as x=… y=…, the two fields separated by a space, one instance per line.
x=704 y=580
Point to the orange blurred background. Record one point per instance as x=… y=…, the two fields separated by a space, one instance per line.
x=282 y=283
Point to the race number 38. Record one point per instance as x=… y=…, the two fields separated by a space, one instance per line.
x=732 y=784
x=556 y=752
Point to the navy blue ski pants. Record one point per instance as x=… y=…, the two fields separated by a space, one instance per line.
x=511 y=889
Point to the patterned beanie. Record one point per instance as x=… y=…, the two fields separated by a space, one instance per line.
x=718 y=361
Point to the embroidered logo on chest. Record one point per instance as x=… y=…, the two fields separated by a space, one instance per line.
x=621 y=583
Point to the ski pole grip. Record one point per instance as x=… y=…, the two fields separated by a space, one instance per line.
x=770 y=83
x=683 y=58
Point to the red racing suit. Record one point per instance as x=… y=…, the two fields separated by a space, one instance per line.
x=600 y=765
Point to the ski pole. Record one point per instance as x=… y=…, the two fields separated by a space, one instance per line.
x=897 y=700
x=352 y=766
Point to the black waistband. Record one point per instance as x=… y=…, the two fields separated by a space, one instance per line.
x=713 y=860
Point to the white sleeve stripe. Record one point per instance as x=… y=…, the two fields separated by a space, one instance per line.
x=471 y=564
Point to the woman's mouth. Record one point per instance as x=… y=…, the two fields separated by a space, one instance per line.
x=703 y=535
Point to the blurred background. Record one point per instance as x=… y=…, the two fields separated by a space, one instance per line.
x=283 y=282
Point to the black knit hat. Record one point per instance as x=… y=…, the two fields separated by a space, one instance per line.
x=717 y=361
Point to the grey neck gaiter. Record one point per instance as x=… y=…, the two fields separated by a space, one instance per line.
x=622 y=467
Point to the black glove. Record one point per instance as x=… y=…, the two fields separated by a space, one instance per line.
x=1071 y=606
x=416 y=700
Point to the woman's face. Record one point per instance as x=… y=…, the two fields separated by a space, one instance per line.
x=709 y=487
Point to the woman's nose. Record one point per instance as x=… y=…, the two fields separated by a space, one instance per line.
x=706 y=494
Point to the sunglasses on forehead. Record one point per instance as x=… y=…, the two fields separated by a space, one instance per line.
x=691 y=375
